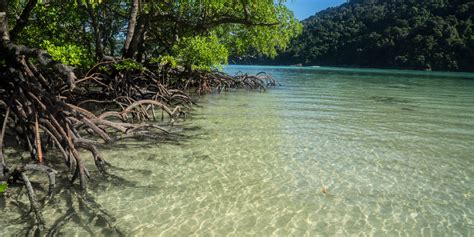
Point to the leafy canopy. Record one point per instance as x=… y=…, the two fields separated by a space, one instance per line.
x=201 y=33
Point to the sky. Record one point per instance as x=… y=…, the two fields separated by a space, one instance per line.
x=306 y=8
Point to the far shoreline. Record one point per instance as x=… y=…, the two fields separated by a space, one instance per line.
x=399 y=71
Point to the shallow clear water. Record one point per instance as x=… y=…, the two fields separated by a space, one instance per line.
x=393 y=149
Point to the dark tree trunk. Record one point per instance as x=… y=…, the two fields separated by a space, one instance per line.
x=85 y=37
x=4 y=20
x=99 y=47
x=138 y=37
x=23 y=20
x=132 y=24
x=112 y=46
x=141 y=40
x=4 y=37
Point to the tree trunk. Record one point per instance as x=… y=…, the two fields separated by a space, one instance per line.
x=140 y=44
x=4 y=20
x=5 y=37
x=132 y=23
x=23 y=20
x=99 y=47
x=112 y=46
x=138 y=37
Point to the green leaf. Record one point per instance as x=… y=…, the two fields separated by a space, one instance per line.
x=3 y=187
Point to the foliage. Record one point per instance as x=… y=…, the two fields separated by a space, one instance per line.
x=262 y=40
x=201 y=52
x=212 y=28
x=241 y=27
x=128 y=65
x=3 y=187
x=55 y=29
x=68 y=54
x=421 y=34
x=165 y=60
x=57 y=23
x=93 y=2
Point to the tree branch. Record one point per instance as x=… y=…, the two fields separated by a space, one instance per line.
x=23 y=20
x=202 y=25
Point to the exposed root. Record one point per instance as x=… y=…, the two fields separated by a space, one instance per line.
x=51 y=173
x=3 y=166
x=206 y=82
x=33 y=202
x=20 y=173
x=43 y=110
x=40 y=109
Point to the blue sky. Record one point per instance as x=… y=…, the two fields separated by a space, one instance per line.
x=306 y=8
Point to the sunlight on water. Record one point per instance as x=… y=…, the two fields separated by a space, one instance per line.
x=330 y=152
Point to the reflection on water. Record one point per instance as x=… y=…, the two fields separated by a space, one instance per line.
x=393 y=149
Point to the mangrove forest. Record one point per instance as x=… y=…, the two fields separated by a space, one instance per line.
x=77 y=75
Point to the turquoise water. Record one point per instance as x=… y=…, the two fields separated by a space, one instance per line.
x=330 y=152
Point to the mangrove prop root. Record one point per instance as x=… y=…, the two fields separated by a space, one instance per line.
x=42 y=111
x=34 y=205
x=33 y=201
x=2 y=135
x=51 y=173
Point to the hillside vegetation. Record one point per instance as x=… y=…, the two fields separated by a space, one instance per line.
x=413 y=34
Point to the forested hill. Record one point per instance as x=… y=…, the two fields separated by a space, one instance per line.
x=415 y=34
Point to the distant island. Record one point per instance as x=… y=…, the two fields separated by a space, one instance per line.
x=407 y=34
